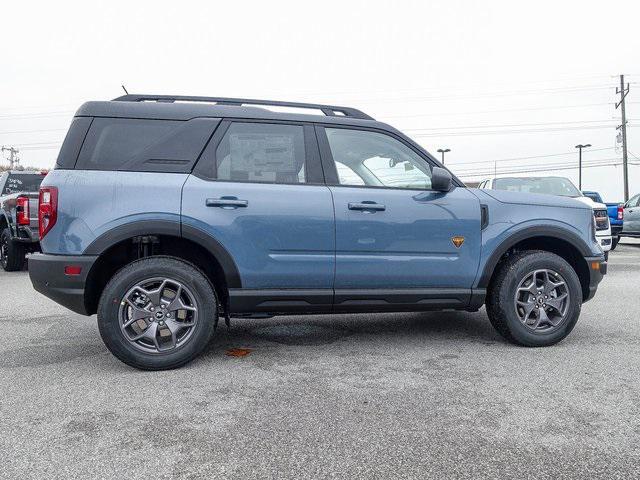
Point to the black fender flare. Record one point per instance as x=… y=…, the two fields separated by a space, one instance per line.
x=524 y=234
x=171 y=228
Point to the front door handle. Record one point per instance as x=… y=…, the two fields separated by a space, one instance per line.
x=226 y=202
x=367 y=206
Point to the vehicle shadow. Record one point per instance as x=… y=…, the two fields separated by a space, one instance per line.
x=314 y=330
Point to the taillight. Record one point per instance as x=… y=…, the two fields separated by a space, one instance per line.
x=22 y=211
x=47 y=209
x=620 y=212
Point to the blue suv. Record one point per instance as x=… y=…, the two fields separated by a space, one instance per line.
x=165 y=213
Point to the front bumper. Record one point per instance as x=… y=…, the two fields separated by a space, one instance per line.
x=597 y=271
x=47 y=274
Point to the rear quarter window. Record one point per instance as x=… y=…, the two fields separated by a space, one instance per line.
x=144 y=145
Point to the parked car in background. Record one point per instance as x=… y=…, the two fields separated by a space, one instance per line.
x=165 y=213
x=18 y=217
x=631 y=226
x=562 y=187
x=616 y=215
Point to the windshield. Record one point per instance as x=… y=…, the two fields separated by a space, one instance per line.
x=20 y=183
x=547 y=185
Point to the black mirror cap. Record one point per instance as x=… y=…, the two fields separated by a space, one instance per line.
x=441 y=180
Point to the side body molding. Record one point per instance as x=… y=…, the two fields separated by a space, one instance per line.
x=165 y=227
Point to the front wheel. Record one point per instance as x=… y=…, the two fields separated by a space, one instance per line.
x=157 y=313
x=534 y=299
x=12 y=253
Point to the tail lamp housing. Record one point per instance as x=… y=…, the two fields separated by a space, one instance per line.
x=22 y=211
x=620 y=212
x=47 y=209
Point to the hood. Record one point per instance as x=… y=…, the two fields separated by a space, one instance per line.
x=595 y=205
x=520 y=198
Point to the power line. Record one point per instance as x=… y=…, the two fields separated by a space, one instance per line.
x=508 y=125
x=34 y=131
x=19 y=116
x=528 y=158
x=504 y=110
x=557 y=168
x=505 y=132
x=486 y=95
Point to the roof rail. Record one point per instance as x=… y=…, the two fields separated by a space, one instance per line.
x=329 y=110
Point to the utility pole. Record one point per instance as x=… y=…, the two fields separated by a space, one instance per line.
x=443 y=152
x=13 y=156
x=623 y=128
x=580 y=147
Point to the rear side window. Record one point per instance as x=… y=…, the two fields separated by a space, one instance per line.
x=144 y=145
x=260 y=152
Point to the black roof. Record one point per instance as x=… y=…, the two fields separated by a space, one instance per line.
x=176 y=107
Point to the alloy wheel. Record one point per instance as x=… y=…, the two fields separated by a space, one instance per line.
x=542 y=300
x=158 y=315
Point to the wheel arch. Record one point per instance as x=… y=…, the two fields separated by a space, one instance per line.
x=556 y=240
x=128 y=242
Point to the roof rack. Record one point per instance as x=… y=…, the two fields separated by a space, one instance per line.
x=329 y=110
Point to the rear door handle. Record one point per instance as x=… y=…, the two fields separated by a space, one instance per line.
x=226 y=202
x=367 y=206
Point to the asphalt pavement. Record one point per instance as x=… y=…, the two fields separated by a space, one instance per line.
x=428 y=395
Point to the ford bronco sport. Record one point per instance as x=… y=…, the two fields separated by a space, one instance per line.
x=165 y=213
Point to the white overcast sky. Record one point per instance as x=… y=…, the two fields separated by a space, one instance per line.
x=491 y=80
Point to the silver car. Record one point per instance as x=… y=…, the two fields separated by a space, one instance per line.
x=631 y=225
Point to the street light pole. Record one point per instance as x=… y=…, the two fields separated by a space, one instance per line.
x=443 y=152
x=580 y=147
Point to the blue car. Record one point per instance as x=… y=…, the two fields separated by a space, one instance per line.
x=166 y=213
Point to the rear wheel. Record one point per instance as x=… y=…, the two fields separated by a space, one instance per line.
x=11 y=253
x=157 y=313
x=534 y=299
x=614 y=242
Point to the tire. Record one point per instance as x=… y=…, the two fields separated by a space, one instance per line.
x=123 y=300
x=614 y=243
x=12 y=254
x=505 y=314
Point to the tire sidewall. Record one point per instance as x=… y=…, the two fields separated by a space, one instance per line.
x=517 y=273
x=129 y=276
x=4 y=259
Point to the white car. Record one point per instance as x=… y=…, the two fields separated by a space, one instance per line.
x=556 y=186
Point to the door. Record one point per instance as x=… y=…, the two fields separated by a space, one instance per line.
x=258 y=190
x=631 y=218
x=393 y=232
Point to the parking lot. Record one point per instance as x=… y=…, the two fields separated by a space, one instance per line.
x=406 y=395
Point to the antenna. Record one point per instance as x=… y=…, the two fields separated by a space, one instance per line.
x=125 y=89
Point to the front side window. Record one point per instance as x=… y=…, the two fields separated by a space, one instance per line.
x=261 y=152
x=377 y=160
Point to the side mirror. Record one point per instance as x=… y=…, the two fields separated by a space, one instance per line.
x=440 y=179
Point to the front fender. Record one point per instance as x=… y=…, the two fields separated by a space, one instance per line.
x=496 y=246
